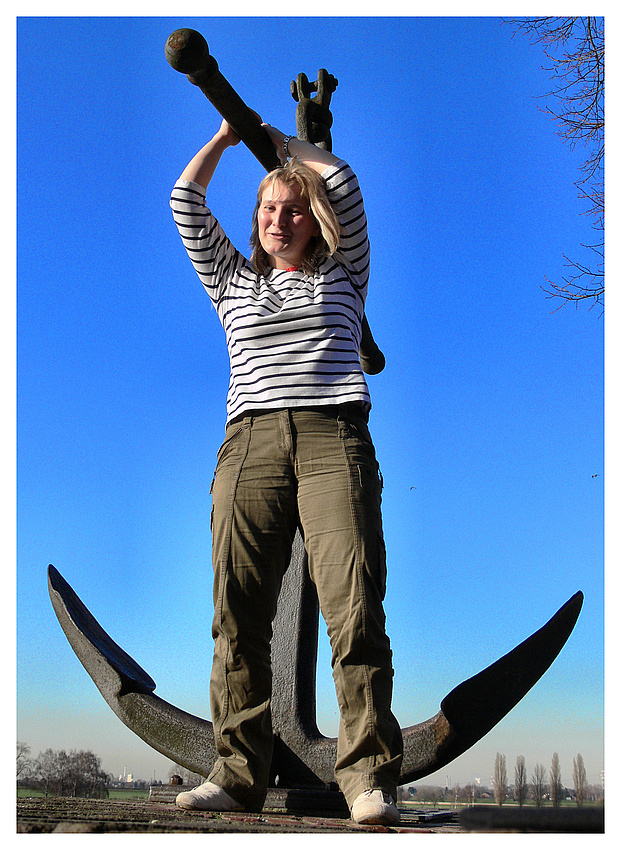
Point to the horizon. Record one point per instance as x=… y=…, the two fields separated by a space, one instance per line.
x=448 y=785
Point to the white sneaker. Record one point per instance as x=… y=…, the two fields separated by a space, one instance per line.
x=375 y=806
x=209 y=797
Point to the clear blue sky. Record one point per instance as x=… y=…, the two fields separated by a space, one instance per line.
x=488 y=419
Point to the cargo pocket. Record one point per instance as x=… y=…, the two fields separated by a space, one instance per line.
x=227 y=445
x=370 y=479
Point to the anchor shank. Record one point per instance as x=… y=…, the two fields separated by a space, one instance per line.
x=302 y=755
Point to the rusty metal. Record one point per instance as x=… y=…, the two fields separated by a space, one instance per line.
x=313 y=118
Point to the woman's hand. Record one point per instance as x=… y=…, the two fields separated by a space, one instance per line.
x=201 y=167
x=316 y=158
x=227 y=134
x=277 y=138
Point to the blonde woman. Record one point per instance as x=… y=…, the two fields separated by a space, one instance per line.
x=297 y=452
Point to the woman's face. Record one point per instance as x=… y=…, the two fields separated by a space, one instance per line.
x=286 y=225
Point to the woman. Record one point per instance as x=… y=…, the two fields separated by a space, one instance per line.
x=297 y=452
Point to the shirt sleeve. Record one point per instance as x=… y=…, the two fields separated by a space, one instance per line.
x=346 y=199
x=212 y=254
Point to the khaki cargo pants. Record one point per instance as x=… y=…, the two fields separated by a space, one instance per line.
x=316 y=468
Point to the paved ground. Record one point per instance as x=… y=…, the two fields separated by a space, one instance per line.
x=70 y=815
x=67 y=815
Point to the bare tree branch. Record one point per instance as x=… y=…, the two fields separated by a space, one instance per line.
x=575 y=48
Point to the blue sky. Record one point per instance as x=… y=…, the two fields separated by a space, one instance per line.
x=488 y=419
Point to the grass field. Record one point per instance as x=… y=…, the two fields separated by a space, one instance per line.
x=143 y=794
x=114 y=793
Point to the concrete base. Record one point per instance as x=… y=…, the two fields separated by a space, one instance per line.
x=302 y=801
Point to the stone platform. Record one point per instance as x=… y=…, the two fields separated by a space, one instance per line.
x=71 y=815
x=39 y=815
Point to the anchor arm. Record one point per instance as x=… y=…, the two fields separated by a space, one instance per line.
x=467 y=713
x=476 y=705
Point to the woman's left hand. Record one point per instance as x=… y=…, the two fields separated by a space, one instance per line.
x=316 y=158
x=277 y=138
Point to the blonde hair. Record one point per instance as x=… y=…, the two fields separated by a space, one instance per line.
x=312 y=189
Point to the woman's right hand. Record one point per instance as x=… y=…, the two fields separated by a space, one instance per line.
x=227 y=134
x=201 y=167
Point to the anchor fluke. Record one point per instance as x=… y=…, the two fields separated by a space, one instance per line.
x=76 y=619
x=476 y=705
x=127 y=688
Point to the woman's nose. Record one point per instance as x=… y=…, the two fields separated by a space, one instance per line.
x=279 y=217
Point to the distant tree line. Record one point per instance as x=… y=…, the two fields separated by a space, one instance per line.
x=79 y=774
x=543 y=789
x=61 y=774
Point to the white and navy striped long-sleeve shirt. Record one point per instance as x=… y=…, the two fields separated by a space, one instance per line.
x=292 y=338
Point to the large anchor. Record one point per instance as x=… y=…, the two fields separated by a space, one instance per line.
x=303 y=757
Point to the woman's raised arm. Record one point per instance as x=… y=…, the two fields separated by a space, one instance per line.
x=200 y=169
x=316 y=158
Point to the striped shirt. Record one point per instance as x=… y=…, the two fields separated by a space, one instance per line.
x=293 y=339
